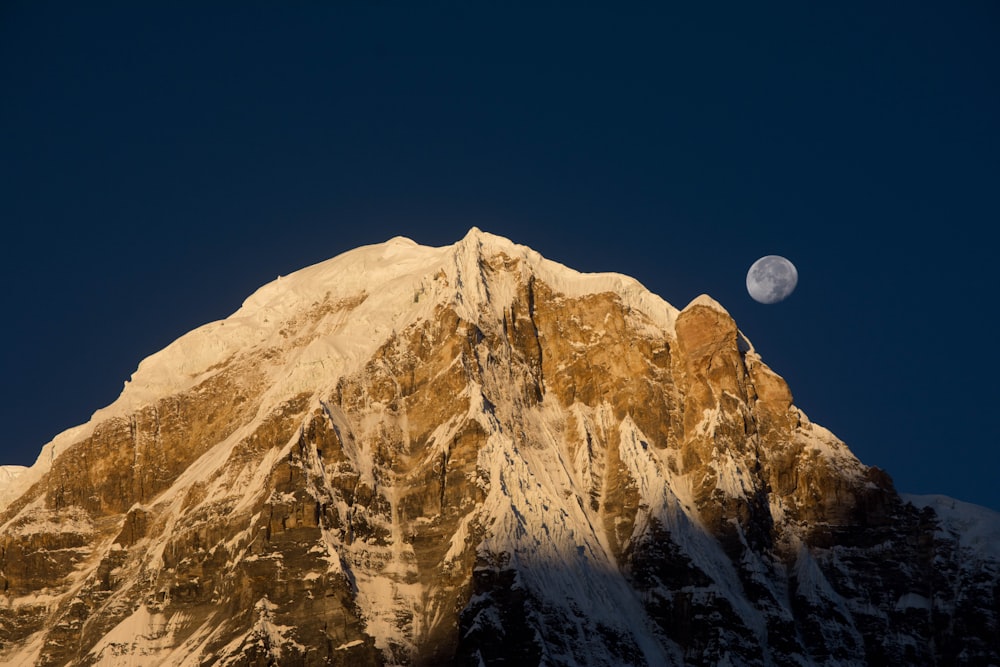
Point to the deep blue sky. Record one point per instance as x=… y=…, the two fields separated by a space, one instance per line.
x=157 y=165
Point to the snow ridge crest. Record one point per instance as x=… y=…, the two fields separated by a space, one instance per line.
x=470 y=454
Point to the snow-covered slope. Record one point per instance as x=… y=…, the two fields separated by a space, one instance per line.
x=473 y=455
x=973 y=527
x=8 y=474
x=384 y=288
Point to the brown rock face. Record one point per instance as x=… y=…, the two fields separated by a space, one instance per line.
x=523 y=466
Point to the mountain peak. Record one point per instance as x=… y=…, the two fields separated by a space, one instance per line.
x=477 y=235
x=706 y=301
x=471 y=454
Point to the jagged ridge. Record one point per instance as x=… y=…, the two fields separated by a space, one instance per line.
x=411 y=455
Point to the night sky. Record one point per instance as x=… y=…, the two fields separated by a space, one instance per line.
x=159 y=164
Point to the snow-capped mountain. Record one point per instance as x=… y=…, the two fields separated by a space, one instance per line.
x=472 y=455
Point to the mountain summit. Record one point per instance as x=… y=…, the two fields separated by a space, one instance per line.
x=472 y=455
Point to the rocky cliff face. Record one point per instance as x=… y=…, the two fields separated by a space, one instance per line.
x=470 y=455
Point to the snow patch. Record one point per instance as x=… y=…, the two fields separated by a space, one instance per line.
x=38 y=520
x=707 y=302
x=976 y=528
x=913 y=601
x=8 y=474
x=142 y=638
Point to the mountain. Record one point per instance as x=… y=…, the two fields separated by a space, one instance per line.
x=471 y=455
x=8 y=474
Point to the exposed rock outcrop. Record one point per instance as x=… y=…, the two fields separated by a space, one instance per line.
x=469 y=455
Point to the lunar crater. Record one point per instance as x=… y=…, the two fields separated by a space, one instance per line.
x=771 y=279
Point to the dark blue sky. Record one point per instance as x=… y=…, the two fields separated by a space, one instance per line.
x=158 y=164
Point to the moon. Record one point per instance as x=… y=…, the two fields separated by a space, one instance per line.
x=771 y=279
